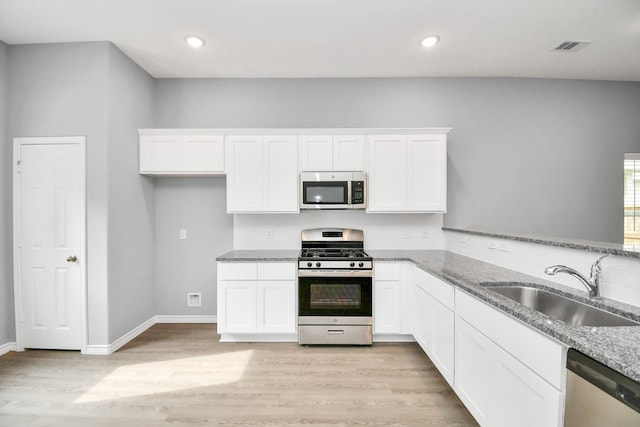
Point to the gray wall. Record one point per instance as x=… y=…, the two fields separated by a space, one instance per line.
x=199 y=206
x=61 y=90
x=92 y=89
x=7 y=325
x=131 y=198
x=525 y=155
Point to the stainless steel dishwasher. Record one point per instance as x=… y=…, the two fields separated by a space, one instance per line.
x=599 y=396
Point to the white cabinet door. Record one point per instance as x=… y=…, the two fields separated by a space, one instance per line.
x=422 y=320
x=236 y=306
x=203 y=153
x=277 y=306
x=245 y=181
x=181 y=154
x=523 y=398
x=280 y=173
x=388 y=298
x=434 y=322
x=160 y=153
x=442 y=339
x=387 y=315
x=316 y=153
x=475 y=376
x=332 y=153
x=407 y=173
x=427 y=173
x=387 y=173
x=349 y=153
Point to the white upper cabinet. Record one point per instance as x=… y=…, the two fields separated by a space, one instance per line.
x=316 y=153
x=407 y=173
x=262 y=173
x=176 y=154
x=332 y=153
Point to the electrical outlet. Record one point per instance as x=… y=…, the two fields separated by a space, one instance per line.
x=194 y=299
x=425 y=234
x=405 y=234
x=183 y=234
x=269 y=233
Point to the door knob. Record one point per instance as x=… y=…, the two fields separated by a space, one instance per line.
x=72 y=258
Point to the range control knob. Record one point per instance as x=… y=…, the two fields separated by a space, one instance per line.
x=352 y=264
x=361 y=264
x=309 y=264
x=318 y=264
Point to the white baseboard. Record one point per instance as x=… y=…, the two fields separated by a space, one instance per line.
x=161 y=318
x=107 y=349
x=6 y=348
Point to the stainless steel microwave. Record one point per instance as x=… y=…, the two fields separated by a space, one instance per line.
x=333 y=190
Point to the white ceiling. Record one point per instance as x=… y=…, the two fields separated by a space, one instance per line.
x=345 y=38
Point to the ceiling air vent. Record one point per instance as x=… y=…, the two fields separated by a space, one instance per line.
x=570 y=46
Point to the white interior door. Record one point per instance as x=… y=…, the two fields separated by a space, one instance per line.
x=49 y=228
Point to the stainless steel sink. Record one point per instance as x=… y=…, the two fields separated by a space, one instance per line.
x=562 y=308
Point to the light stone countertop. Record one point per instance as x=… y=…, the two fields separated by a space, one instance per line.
x=260 y=256
x=616 y=347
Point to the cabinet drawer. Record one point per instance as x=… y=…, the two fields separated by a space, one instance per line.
x=442 y=291
x=238 y=271
x=541 y=354
x=475 y=312
x=276 y=271
x=387 y=271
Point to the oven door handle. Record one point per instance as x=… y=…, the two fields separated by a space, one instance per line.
x=334 y=273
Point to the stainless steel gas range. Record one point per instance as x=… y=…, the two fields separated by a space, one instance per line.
x=335 y=289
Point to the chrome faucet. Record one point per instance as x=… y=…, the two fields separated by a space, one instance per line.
x=592 y=283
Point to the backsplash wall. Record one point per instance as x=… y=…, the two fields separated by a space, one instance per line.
x=381 y=231
x=620 y=275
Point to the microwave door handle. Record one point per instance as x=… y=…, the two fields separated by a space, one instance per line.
x=349 y=193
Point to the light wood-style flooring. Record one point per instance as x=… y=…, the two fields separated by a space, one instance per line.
x=179 y=374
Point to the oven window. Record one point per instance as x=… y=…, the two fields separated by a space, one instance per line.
x=325 y=193
x=335 y=296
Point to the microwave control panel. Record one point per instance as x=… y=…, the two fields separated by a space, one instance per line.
x=357 y=192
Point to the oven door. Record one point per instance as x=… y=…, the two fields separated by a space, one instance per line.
x=334 y=295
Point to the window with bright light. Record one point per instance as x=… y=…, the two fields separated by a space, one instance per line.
x=632 y=199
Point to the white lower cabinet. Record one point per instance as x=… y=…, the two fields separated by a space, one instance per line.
x=523 y=398
x=496 y=387
x=236 y=306
x=387 y=298
x=276 y=306
x=256 y=299
x=434 y=321
x=474 y=379
x=391 y=301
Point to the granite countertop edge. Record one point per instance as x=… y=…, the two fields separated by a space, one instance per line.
x=629 y=251
x=286 y=255
x=616 y=347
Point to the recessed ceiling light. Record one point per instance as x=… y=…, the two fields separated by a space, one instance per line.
x=430 y=41
x=194 y=41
